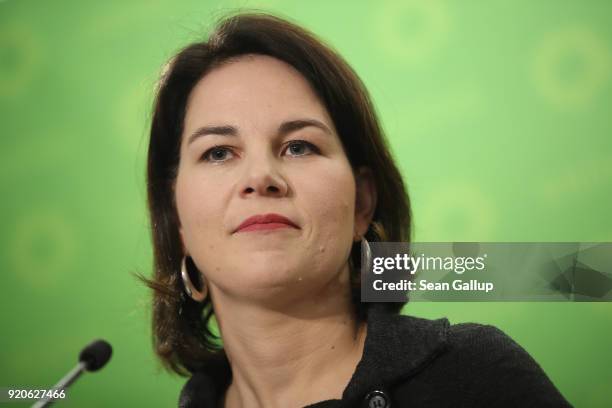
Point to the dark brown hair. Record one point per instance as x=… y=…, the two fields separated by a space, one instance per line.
x=181 y=335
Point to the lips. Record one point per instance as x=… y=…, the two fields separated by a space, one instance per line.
x=265 y=221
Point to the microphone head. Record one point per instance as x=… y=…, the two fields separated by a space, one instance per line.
x=95 y=355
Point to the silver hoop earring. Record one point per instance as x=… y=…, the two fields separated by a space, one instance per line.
x=190 y=289
x=366 y=255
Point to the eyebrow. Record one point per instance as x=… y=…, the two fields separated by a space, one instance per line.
x=283 y=129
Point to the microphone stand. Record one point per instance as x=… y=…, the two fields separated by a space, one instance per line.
x=62 y=384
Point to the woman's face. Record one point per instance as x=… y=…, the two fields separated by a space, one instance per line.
x=258 y=141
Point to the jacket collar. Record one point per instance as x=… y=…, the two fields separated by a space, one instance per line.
x=396 y=347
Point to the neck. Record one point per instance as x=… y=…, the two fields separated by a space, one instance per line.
x=296 y=355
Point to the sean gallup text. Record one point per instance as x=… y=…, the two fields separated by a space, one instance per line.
x=472 y=285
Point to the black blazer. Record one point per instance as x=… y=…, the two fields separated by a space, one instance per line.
x=413 y=362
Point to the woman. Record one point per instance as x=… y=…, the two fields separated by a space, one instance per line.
x=267 y=170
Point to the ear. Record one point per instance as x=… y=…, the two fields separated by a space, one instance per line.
x=365 y=201
x=177 y=218
x=182 y=237
x=182 y=240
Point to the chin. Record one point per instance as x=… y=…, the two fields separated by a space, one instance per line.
x=265 y=275
x=261 y=279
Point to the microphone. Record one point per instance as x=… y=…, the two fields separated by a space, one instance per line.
x=92 y=358
x=96 y=355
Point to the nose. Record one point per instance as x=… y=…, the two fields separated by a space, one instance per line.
x=262 y=177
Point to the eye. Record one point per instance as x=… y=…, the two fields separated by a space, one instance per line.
x=301 y=148
x=217 y=154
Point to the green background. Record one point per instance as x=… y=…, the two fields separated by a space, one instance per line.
x=498 y=113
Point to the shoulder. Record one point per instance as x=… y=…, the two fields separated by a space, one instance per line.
x=485 y=341
x=490 y=349
x=464 y=344
x=482 y=365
